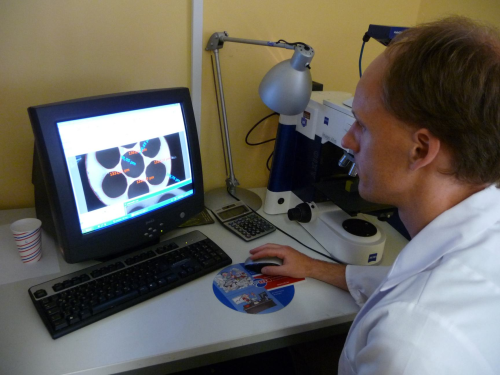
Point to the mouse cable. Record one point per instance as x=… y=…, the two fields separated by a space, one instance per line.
x=310 y=248
x=293 y=238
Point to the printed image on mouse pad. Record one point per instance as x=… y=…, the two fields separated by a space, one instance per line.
x=250 y=293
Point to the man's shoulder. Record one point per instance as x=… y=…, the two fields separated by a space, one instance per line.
x=453 y=306
x=449 y=286
x=428 y=337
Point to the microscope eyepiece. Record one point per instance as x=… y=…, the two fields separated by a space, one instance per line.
x=347 y=161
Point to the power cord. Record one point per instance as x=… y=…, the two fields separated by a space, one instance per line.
x=257 y=124
x=310 y=248
x=267 y=161
x=260 y=143
x=249 y=132
x=293 y=238
x=291 y=44
x=366 y=38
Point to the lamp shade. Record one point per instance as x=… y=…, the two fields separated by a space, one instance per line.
x=287 y=87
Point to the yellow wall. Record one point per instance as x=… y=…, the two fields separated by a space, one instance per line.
x=53 y=50
x=484 y=10
x=334 y=28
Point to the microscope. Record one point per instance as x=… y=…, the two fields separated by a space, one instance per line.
x=313 y=180
x=308 y=183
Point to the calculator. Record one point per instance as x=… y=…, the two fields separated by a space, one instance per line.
x=242 y=221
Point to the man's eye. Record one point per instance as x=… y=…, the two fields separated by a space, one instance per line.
x=361 y=126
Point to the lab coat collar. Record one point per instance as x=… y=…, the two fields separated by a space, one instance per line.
x=446 y=234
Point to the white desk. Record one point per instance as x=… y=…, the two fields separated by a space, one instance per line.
x=184 y=328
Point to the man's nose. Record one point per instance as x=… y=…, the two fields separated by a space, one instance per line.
x=348 y=141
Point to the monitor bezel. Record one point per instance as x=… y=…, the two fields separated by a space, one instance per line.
x=133 y=233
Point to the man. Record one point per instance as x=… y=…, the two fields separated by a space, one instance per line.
x=427 y=140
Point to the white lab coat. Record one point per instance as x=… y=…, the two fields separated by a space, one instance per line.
x=438 y=309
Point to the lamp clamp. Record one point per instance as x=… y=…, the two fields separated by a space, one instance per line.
x=216 y=41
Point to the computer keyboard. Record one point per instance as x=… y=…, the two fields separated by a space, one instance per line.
x=76 y=300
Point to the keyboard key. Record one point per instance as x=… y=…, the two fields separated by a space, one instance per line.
x=50 y=305
x=59 y=324
x=40 y=293
x=114 y=302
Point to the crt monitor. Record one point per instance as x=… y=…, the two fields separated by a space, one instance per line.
x=113 y=173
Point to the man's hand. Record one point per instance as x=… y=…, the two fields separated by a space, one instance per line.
x=295 y=264
x=298 y=265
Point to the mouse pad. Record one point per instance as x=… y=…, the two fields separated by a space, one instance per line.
x=251 y=293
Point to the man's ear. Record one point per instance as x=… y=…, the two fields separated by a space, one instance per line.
x=425 y=149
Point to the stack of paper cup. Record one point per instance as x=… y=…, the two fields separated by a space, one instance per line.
x=28 y=236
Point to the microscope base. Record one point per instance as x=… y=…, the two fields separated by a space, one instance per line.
x=328 y=230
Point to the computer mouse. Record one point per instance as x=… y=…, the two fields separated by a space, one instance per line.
x=256 y=265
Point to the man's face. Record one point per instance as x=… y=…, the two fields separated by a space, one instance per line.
x=380 y=143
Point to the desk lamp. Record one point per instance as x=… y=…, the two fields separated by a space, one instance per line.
x=286 y=89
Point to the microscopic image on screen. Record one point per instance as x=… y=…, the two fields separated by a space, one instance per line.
x=108 y=158
x=137 y=188
x=151 y=147
x=156 y=172
x=177 y=172
x=132 y=163
x=114 y=184
x=121 y=173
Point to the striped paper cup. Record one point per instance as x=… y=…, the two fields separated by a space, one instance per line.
x=28 y=236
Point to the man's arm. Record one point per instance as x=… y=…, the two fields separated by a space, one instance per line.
x=296 y=264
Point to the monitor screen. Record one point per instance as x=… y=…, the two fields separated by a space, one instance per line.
x=113 y=167
x=136 y=164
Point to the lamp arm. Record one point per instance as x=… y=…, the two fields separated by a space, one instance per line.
x=215 y=43
x=299 y=61
x=217 y=40
x=231 y=181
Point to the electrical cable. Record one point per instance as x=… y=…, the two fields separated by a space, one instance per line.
x=366 y=38
x=260 y=143
x=267 y=162
x=293 y=238
x=291 y=44
x=360 y=58
x=257 y=124
x=310 y=248
x=248 y=133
